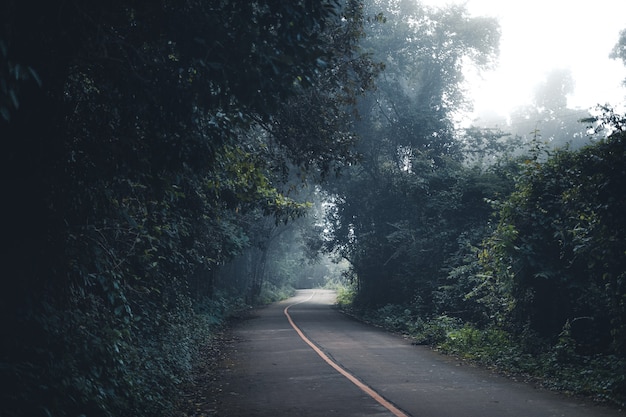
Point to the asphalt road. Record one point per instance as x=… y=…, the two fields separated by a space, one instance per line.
x=273 y=371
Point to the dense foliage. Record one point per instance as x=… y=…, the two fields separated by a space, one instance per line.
x=539 y=290
x=560 y=246
x=145 y=145
x=401 y=213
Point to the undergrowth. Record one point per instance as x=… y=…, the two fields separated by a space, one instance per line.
x=271 y=292
x=556 y=366
x=345 y=296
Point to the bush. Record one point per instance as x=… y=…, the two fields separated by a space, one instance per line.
x=434 y=331
x=557 y=366
x=345 y=296
x=271 y=293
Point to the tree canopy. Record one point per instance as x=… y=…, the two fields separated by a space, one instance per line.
x=401 y=210
x=143 y=141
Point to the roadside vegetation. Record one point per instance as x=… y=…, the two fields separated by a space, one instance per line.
x=556 y=366
x=541 y=296
x=158 y=163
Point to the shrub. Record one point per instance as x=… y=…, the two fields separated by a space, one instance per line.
x=436 y=330
x=345 y=296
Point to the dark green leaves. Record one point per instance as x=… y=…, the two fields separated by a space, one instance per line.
x=159 y=135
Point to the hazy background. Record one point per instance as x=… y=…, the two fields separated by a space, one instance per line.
x=542 y=35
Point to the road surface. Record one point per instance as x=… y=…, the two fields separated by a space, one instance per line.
x=301 y=357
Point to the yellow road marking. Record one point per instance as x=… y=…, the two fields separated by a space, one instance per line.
x=365 y=388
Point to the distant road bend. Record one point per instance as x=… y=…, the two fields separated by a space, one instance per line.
x=301 y=358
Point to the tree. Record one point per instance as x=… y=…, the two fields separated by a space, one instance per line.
x=138 y=149
x=556 y=254
x=399 y=212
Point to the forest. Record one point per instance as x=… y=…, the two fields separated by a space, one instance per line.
x=169 y=164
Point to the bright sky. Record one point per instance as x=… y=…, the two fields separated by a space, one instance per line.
x=538 y=35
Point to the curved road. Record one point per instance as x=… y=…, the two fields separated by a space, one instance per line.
x=273 y=370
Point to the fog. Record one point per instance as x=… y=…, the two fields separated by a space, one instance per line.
x=541 y=36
